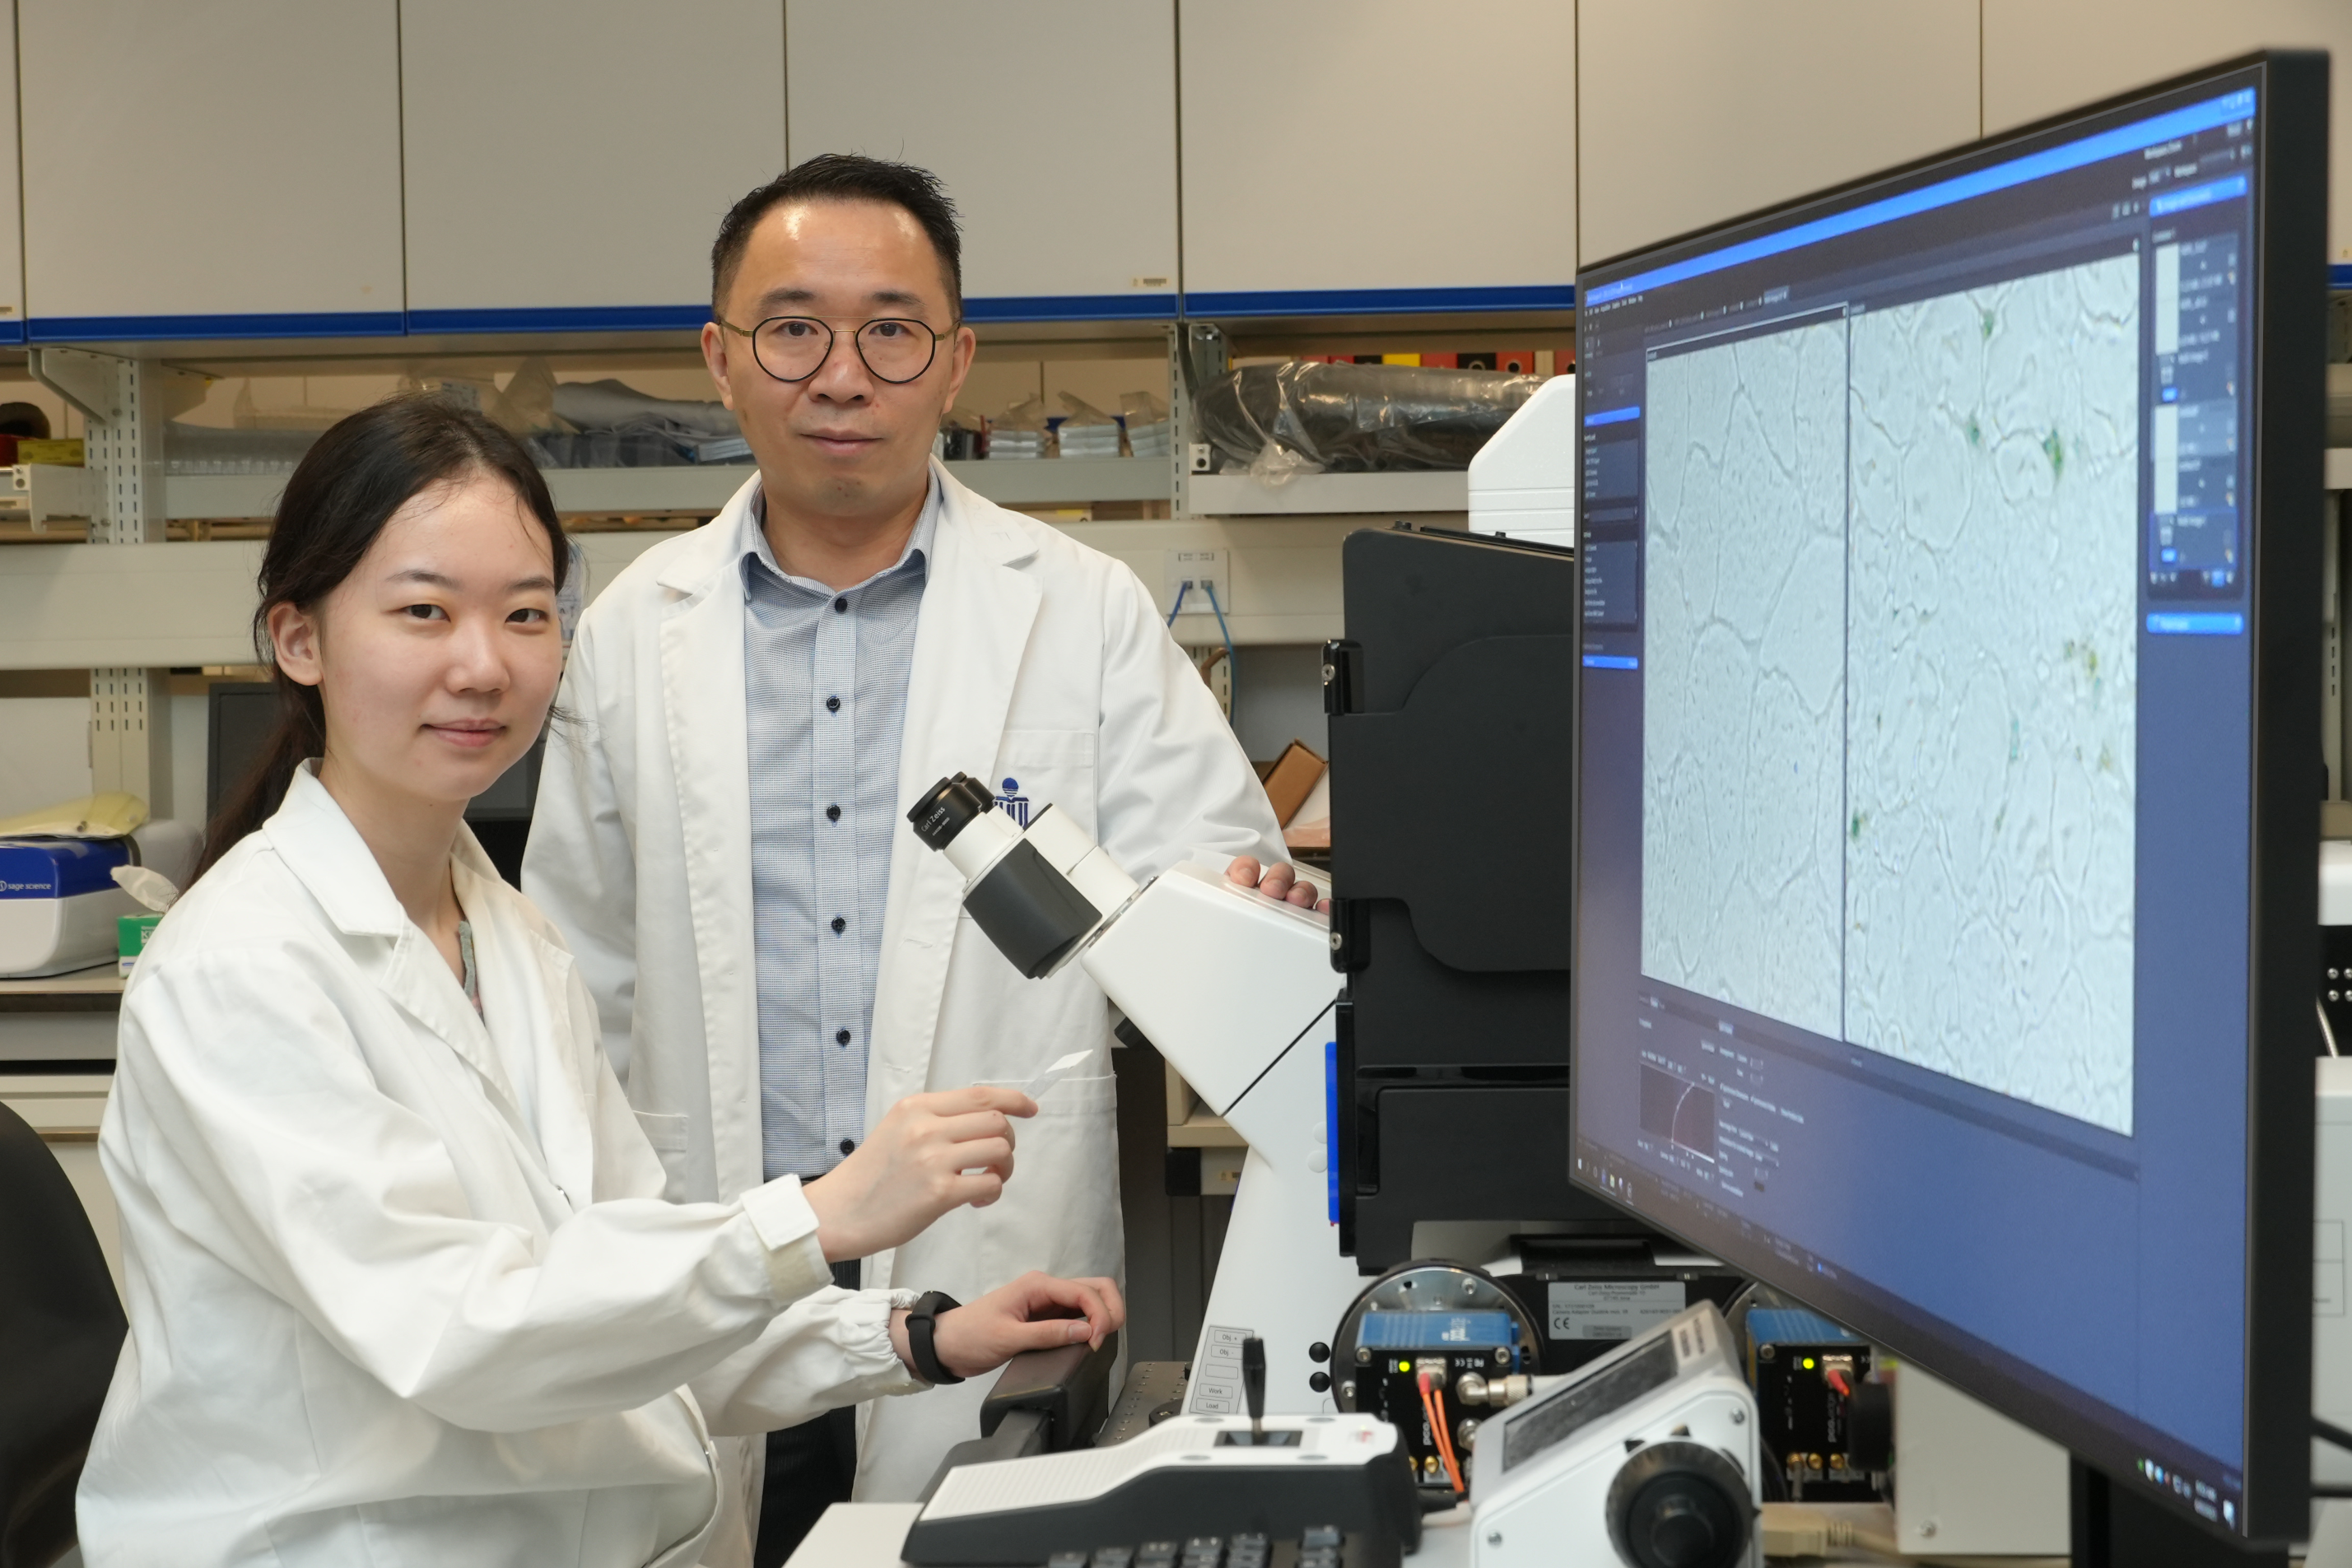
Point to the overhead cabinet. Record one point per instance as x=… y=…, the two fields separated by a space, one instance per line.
x=568 y=162
x=2041 y=60
x=1371 y=155
x=1692 y=111
x=223 y=170
x=1052 y=123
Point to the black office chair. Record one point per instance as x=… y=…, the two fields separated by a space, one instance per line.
x=61 y=1328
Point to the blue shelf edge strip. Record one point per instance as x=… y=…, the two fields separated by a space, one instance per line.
x=567 y=319
x=689 y=318
x=159 y=328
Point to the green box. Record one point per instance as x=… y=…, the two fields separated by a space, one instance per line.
x=130 y=933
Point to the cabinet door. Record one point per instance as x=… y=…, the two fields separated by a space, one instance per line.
x=569 y=161
x=1053 y=123
x=1694 y=111
x=1378 y=155
x=2041 y=60
x=230 y=169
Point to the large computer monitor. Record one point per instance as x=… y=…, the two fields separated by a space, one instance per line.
x=1949 y=762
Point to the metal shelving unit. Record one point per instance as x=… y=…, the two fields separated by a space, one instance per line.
x=614 y=492
x=1326 y=495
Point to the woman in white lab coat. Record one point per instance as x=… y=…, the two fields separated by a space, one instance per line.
x=402 y=1286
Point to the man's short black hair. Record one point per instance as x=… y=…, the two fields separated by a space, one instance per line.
x=846 y=177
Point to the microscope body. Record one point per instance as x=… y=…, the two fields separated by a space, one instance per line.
x=1236 y=991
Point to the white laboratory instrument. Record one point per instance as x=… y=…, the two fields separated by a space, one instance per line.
x=1235 y=990
x=58 y=904
x=1647 y=1456
x=1191 y=1475
x=1523 y=482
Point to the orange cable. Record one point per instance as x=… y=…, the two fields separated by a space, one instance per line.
x=1437 y=1430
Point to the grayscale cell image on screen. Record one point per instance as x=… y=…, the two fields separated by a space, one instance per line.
x=1887 y=735
x=1744 y=710
x=1992 y=686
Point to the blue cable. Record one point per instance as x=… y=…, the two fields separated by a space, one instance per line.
x=1232 y=665
x=1181 y=590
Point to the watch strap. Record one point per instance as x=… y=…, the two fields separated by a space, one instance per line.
x=922 y=1322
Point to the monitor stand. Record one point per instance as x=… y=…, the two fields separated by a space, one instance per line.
x=2115 y=1527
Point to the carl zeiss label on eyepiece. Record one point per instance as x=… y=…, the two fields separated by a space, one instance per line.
x=1610 y=1308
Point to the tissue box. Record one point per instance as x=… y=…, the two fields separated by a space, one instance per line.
x=58 y=904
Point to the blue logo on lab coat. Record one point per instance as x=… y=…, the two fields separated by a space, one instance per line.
x=1015 y=805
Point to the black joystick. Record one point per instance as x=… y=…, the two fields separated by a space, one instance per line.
x=1254 y=1385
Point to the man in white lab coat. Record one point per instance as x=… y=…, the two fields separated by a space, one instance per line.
x=720 y=827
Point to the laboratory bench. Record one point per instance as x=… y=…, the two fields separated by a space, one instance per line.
x=867 y=1535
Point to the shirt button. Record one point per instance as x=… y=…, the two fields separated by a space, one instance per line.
x=832 y=813
x=832 y=705
x=849 y=1145
x=841 y=606
x=839 y=925
x=841 y=1036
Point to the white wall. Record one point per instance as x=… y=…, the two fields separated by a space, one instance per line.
x=44 y=757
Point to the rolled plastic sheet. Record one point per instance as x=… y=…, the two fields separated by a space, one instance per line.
x=1358 y=418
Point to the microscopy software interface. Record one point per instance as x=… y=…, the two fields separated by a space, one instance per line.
x=1915 y=728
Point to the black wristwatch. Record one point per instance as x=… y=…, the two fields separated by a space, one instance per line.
x=922 y=1321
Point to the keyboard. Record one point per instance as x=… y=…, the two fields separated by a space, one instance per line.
x=1321 y=1547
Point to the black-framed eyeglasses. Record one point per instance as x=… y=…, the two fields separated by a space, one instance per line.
x=895 y=349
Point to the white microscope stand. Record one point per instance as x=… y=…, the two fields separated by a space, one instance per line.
x=1236 y=990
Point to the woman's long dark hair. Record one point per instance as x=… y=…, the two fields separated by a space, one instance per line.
x=360 y=473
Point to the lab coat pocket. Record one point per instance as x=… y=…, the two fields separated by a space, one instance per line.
x=1040 y=768
x=666 y=1132
x=1064 y=1159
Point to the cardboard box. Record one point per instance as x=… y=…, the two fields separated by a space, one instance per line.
x=1292 y=780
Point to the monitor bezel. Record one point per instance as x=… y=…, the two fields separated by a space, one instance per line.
x=2285 y=511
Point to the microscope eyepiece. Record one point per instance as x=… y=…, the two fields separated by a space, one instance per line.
x=950 y=804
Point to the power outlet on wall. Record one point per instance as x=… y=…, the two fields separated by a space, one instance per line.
x=1198 y=583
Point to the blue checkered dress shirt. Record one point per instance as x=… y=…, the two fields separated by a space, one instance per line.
x=825 y=702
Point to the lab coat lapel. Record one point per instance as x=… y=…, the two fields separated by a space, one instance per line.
x=977 y=608
x=419 y=983
x=703 y=709
x=527 y=1012
x=319 y=845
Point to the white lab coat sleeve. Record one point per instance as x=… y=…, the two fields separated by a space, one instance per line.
x=581 y=867
x=1172 y=776
x=828 y=1349
x=247 y=1107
